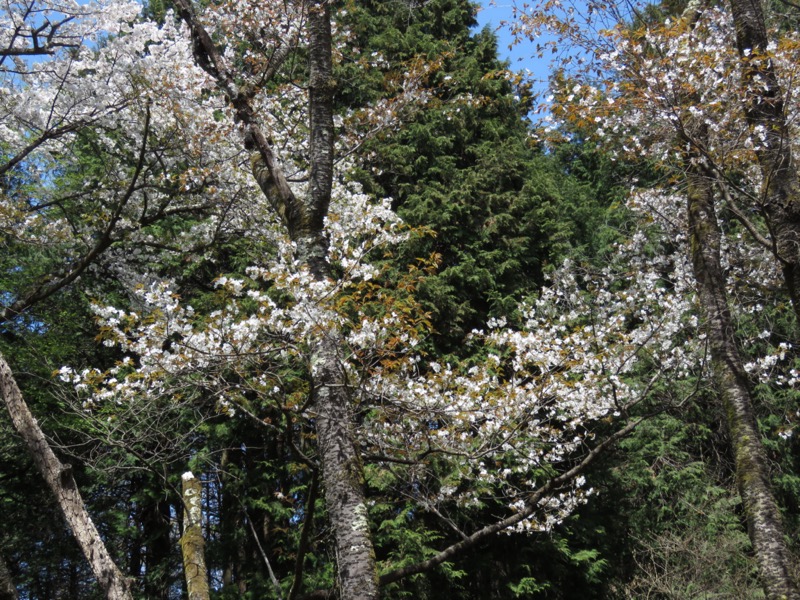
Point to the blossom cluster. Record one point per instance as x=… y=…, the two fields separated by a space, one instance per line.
x=588 y=351
x=675 y=94
x=497 y=427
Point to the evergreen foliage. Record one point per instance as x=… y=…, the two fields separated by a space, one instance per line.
x=465 y=166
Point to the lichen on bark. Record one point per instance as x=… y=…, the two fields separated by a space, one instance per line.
x=752 y=475
x=192 y=542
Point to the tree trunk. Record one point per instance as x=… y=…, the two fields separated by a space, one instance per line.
x=59 y=478
x=343 y=478
x=342 y=471
x=192 y=542
x=7 y=589
x=764 y=109
x=763 y=518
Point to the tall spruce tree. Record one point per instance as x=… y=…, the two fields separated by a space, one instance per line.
x=465 y=164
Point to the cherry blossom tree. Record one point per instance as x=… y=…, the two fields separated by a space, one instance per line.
x=766 y=82
x=707 y=99
x=93 y=156
x=517 y=426
x=206 y=123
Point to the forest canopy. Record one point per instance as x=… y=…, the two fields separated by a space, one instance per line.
x=297 y=302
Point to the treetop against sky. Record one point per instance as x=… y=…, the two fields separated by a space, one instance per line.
x=521 y=56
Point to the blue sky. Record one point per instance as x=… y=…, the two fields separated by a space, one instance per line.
x=522 y=56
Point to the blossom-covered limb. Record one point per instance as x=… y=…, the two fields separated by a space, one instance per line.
x=531 y=507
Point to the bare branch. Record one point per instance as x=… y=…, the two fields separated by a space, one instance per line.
x=275 y=583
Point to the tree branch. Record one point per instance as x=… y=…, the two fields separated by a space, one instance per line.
x=742 y=218
x=48 y=287
x=275 y=583
x=50 y=134
x=792 y=4
x=531 y=506
x=273 y=183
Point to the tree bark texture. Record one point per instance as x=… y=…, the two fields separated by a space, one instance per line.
x=765 y=112
x=752 y=476
x=342 y=470
x=343 y=477
x=61 y=482
x=7 y=589
x=192 y=542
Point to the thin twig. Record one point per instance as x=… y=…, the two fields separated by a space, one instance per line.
x=276 y=584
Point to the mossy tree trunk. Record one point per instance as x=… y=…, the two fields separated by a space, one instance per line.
x=192 y=542
x=59 y=479
x=752 y=475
